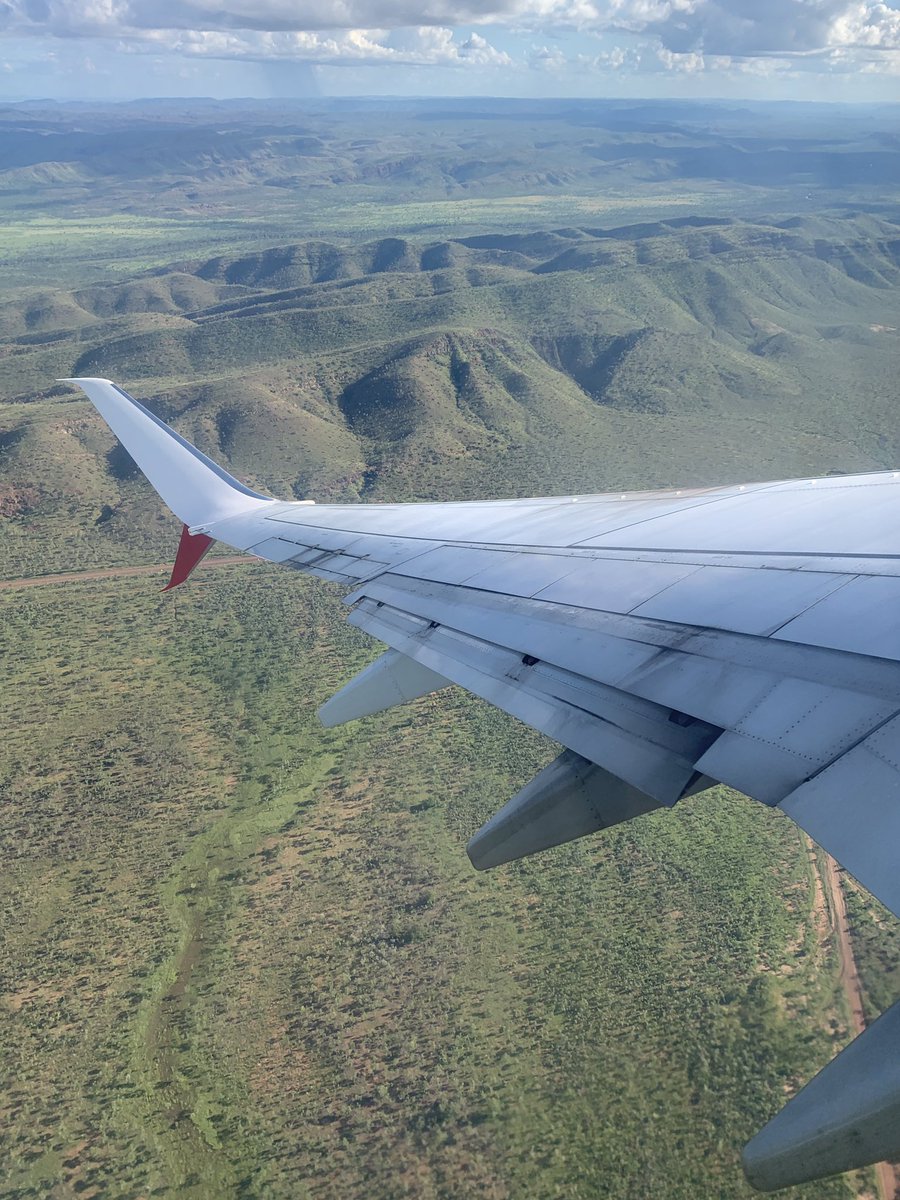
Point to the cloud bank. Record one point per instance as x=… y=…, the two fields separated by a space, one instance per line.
x=677 y=35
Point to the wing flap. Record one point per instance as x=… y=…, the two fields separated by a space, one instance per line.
x=847 y=1116
x=501 y=677
x=756 y=768
x=717 y=677
x=790 y=734
x=754 y=730
x=634 y=651
x=852 y=808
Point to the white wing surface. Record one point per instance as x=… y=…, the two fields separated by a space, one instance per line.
x=667 y=640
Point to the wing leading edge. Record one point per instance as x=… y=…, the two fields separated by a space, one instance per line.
x=667 y=640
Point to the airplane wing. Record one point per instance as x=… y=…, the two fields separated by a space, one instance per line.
x=748 y=635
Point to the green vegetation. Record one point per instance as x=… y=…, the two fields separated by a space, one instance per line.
x=244 y=955
x=876 y=948
x=693 y=351
x=155 y=181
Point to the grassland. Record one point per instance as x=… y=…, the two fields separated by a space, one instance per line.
x=164 y=180
x=56 y=248
x=49 y=249
x=246 y=956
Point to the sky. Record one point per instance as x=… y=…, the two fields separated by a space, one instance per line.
x=847 y=50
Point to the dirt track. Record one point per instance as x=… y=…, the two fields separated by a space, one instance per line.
x=226 y=560
x=849 y=973
x=884 y=1172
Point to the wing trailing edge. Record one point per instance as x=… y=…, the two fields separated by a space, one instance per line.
x=842 y=804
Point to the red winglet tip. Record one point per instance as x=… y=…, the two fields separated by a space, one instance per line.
x=191 y=549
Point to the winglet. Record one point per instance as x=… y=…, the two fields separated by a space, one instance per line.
x=191 y=550
x=196 y=489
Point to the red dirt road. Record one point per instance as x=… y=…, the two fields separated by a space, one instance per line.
x=226 y=560
x=884 y=1172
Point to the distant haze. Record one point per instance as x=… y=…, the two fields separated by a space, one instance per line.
x=756 y=49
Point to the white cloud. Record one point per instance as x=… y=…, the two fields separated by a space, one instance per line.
x=686 y=36
x=873 y=25
x=477 y=50
x=615 y=59
x=761 y=27
x=423 y=46
x=688 y=63
x=545 y=58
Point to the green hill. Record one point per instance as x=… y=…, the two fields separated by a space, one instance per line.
x=692 y=351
